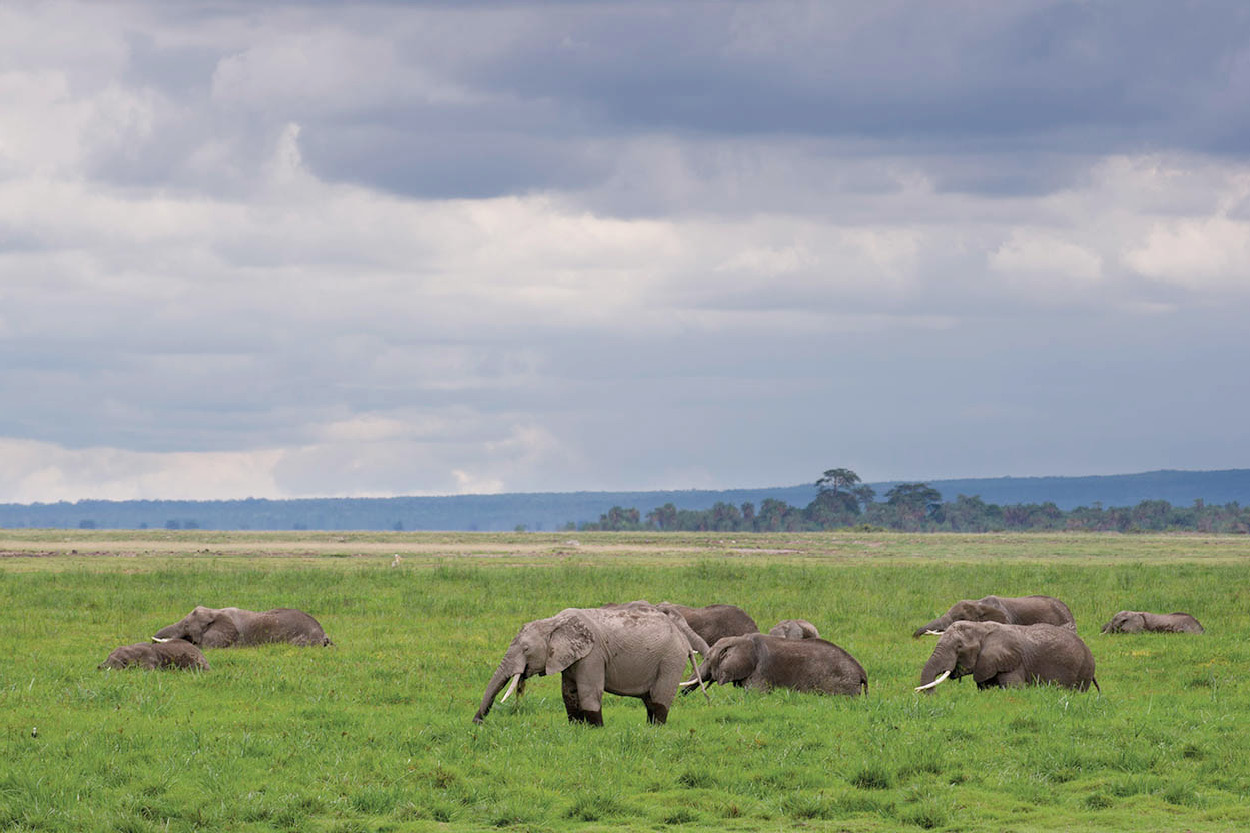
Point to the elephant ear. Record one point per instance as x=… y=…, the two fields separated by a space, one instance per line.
x=570 y=640
x=990 y=613
x=998 y=656
x=220 y=633
x=736 y=661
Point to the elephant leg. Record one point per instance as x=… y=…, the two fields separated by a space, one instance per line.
x=657 y=712
x=568 y=690
x=588 y=679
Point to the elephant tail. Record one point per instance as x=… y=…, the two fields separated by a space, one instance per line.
x=1097 y=687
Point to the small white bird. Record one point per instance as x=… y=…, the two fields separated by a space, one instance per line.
x=395 y=563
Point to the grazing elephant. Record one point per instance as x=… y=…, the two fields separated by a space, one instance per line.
x=229 y=627
x=762 y=662
x=176 y=653
x=1010 y=655
x=795 y=629
x=1023 y=610
x=1136 y=621
x=714 y=621
x=630 y=650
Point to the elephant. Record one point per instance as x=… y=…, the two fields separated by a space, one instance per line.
x=696 y=642
x=1022 y=610
x=761 y=662
x=1010 y=655
x=228 y=627
x=630 y=650
x=795 y=629
x=714 y=621
x=176 y=653
x=1136 y=621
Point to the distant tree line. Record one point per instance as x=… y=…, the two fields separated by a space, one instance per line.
x=843 y=501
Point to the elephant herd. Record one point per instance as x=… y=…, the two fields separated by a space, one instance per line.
x=639 y=649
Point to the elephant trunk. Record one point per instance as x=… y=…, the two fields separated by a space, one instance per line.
x=941 y=665
x=509 y=668
x=938 y=625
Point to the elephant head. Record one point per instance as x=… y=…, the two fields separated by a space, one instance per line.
x=731 y=659
x=968 y=610
x=1126 y=621
x=205 y=626
x=541 y=647
x=956 y=655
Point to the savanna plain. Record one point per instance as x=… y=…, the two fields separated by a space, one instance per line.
x=375 y=732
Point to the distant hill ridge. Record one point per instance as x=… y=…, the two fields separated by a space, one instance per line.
x=539 y=511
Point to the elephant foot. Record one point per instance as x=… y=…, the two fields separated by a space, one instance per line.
x=587 y=717
x=657 y=714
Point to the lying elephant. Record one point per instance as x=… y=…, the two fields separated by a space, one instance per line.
x=634 y=650
x=1136 y=621
x=176 y=653
x=1021 y=610
x=794 y=629
x=714 y=621
x=1010 y=655
x=762 y=662
x=229 y=627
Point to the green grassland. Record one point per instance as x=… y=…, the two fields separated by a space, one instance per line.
x=375 y=733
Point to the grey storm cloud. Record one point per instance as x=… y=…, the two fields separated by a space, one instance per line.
x=322 y=248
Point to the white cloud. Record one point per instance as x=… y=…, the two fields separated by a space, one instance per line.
x=1197 y=254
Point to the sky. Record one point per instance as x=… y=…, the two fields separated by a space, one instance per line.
x=317 y=248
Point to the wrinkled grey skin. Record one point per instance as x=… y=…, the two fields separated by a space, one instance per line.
x=762 y=662
x=1021 y=610
x=1011 y=655
x=714 y=622
x=1137 y=621
x=177 y=653
x=231 y=627
x=630 y=650
x=696 y=642
x=794 y=629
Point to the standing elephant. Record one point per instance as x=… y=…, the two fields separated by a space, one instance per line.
x=1136 y=621
x=794 y=629
x=176 y=653
x=1022 y=610
x=1010 y=655
x=762 y=662
x=630 y=650
x=715 y=621
x=229 y=627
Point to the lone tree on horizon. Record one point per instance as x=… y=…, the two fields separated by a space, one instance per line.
x=835 y=479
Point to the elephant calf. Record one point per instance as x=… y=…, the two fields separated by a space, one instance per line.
x=1136 y=621
x=795 y=629
x=176 y=653
x=761 y=662
x=1010 y=655
x=226 y=627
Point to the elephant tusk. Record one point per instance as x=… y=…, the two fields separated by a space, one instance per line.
x=688 y=683
x=932 y=633
x=511 y=688
x=945 y=674
x=158 y=639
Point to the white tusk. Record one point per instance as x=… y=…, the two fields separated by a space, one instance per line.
x=688 y=683
x=933 y=633
x=511 y=688
x=945 y=674
x=158 y=639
